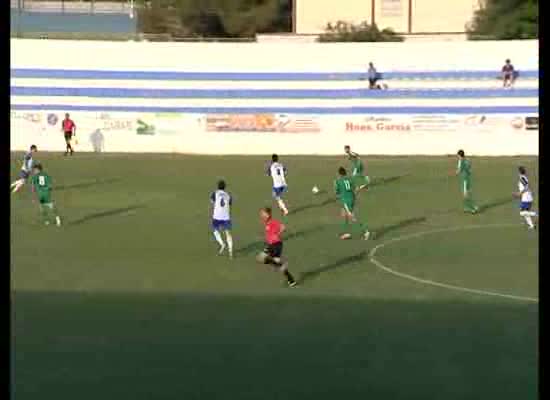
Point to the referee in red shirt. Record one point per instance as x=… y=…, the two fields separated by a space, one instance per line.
x=273 y=251
x=69 y=130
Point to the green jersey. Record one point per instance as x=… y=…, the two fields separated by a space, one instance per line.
x=464 y=169
x=345 y=192
x=358 y=166
x=344 y=188
x=42 y=184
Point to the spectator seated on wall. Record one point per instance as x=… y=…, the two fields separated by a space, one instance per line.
x=508 y=74
x=374 y=76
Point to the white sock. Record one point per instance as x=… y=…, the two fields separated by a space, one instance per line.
x=219 y=239
x=527 y=216
x=229 y=239
x=282 y=205
x=58 y=220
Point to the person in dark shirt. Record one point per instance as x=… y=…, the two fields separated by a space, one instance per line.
x=508 y=74
x=373 y=76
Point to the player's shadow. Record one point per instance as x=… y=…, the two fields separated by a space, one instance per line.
x=342 y=262
x=384 y=230
x=495 y=203
x=310 y=206
x=259 y=245
x=385 y=180
x=108 y=213
x=84 y=185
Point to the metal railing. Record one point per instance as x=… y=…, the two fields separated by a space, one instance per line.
x=104 y=20
x=74 y=6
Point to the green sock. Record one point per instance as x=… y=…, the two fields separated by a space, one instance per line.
x=359 y=227
x=345 y=226
x=469 y=204
x=43 y=214
x=53 y=210
x=50 y=212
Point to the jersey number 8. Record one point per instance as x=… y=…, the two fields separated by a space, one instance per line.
x=41 y=181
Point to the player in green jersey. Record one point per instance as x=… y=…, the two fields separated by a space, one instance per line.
x=358 y=169
x=42 y=186
x=345 y=190
x=464 y=171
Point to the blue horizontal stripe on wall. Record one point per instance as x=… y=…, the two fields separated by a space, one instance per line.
x=271 y=93
x=252 y=76
x=284 y=110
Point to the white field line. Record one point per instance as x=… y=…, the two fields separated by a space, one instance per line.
x=385 y=268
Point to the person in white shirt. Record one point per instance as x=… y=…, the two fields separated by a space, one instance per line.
x=525 y=196
x=26 y=170
x=278 y=172
x=221 y=217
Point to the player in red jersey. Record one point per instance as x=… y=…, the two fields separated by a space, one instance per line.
x=69 y=130
x=273 y=250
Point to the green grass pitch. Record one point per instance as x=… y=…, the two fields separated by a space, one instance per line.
x=129 y=300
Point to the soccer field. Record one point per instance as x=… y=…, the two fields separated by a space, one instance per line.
x=129 y=299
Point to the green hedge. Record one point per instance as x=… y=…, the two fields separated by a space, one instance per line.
x=346 y=32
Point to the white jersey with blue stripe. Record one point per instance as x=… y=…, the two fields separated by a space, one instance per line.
x=27 y=162
x=277 y=171
x=221 y=200
x=523 y=186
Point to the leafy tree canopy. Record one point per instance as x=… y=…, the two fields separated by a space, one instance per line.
x=214 y=18
x=506 y=20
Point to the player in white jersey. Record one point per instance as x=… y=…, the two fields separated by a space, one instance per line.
x=278 y=171
x=221 y=217
x=26 y=170
x=525 y=196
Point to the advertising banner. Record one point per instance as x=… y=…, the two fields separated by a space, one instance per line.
x=257 y=133
x=532 y=123
x=262 y=123
x=439 y=123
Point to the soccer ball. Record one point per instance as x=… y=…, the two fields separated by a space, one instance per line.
x=315 y=190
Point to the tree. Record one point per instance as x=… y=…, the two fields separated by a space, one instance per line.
x=505 y=20
x=212 y=18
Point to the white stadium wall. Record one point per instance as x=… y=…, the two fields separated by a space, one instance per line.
x=426 y=16
x=332 y=57
x=119 y=110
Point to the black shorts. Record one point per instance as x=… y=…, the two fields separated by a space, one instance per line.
x=274 y=250
x=68 y=136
